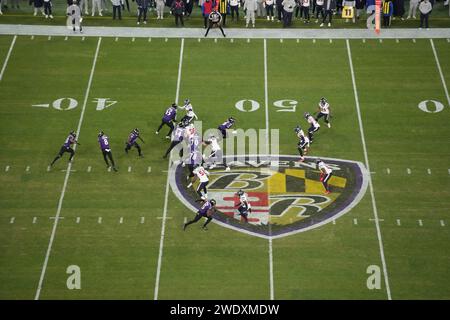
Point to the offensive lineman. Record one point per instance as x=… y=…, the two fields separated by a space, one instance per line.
x=303 y=144
x=206 y=210
x=170 y=116
x=315 y=126
x=134 y=135
x=177 y=137
x=244 y=206
x=216 y=154
x=103 y=140
x=324 y=111
x=202 y=175
x=66 y=147
x=325 y=174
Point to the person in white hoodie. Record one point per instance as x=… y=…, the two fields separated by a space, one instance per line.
x=425 y=8
x=250 y=6
x=98 y=4
x=160 y=8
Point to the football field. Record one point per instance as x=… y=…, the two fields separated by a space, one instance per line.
x=390 y=107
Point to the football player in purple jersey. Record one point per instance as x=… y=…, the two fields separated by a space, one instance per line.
x=225 y=126
x=134 y=135
x=103 y=140
x=177 y=138
x=206 y=210
x=170 y=116
x=66 y=147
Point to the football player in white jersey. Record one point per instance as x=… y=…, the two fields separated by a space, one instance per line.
x=303 y=143
x=202 y=175
x=244 y=206
x=325 y=174
x=190 y=114
x=216 y=155
x=315 y=126
x=324 y=111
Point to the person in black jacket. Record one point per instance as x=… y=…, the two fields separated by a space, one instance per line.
x=177 y=9
x=279 y=10
x=142 y=7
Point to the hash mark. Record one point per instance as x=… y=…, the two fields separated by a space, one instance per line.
x=7 y=169
x=334 y=221
x=314 y=40
x=248 y=40
x=121 y=220
x=109 y=169
x=99 y=220
x=82 y=39
x=215 y=40
x=429 y=171
x=65 y=39
x=197 y=39
x=364 y=40
x=149 y=169
x=298 y=40
x=388 y=171
x=12 y=220
x=420 y=222
x=142 y=219
x=34 y=219
x=398 y=222
x=355 y=221
x=396 y=40
x=48 y=168
x=414 y=40
x=27 y=169
x=231 y=40
x=281 y=40
x=49 y=37
x=89 y=169
x=132 y=40
x=149 y=39
x=442 y=223
x=408 y=170
x=166 y=39
x=331 y=40
x=185 y=219
x=448 y=40
x=32 y=37
x=381 y=40
x=448 y=171
x=129 y=169
x=117 y=39
x=78 y=220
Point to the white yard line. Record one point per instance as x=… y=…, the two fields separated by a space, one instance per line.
x=7 y=57
x=166 y=197
x=366 y=158
x=440 y=72
x=266 y=103
x=66 y=179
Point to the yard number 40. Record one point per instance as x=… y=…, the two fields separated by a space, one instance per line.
x=248 y=105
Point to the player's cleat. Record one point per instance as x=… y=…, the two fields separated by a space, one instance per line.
x=327 y=192
x=167 y=137
x=114 y=168
x=204 y=228
x=329 y=125
x=183 y=164
x=228 y=169
x=156 y=132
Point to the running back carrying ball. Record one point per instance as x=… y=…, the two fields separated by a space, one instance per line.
x=215 y=20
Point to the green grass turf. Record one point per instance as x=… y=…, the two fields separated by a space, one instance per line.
x=119 y=261
x=439 y=18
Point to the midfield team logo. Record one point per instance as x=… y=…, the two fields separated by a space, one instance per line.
x=286 y=196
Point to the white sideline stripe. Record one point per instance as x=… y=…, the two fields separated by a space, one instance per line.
x=408 y=170
x=7 y=57
x=7 y=169
x=121 y=220
x=355 y=221
x=66 y=179
x=12 y=220
x=429 y=171
x=149 y=169
x=398 y=222
x=142 y=219
x=99 y=219
x=129 y=169
x=266 y=103
x=78 y=220
x=166 y=196
x=420 y=222
x=366 y=158
x=34 y=219
x=388 y=171
x=440 y=72
x=442 y=223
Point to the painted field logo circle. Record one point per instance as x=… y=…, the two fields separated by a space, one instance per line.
x=286 y=195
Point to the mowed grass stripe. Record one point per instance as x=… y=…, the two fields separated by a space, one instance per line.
x=118 y=261
x=399 y=136
x=219 y=263
x=37 y=136
x=324 y=263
